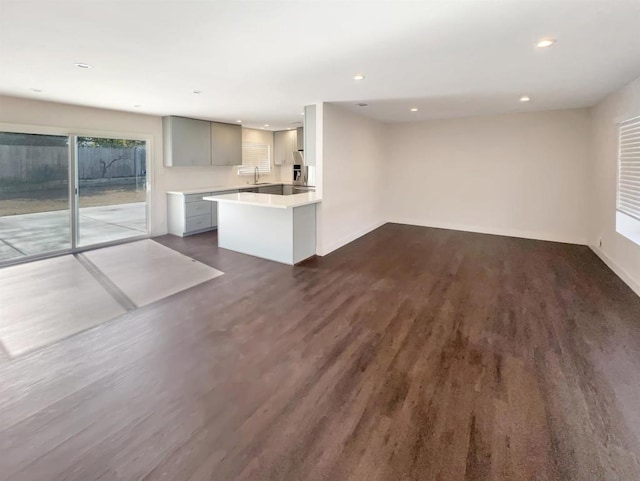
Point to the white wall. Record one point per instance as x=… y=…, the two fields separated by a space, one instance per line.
x=350 y=174
x=622 y=255
x=79 y=119
x=523 y=175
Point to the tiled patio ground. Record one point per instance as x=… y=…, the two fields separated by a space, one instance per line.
x=30 y=234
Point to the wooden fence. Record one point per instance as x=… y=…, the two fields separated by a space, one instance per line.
x=23 y=164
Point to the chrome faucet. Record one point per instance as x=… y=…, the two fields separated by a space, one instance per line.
x=256 y=175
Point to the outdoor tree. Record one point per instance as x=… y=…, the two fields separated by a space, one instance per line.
x=103 y=142
x=108 y=158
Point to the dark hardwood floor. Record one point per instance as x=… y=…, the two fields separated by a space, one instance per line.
x=410 y=354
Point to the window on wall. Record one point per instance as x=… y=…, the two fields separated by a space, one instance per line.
x=255 y=154
x=628 y=201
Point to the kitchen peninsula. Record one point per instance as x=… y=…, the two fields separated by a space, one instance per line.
x=280 y=228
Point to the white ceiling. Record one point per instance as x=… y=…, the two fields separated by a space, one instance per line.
x=261 y=61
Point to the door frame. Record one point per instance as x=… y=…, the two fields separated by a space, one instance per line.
x=74 y=209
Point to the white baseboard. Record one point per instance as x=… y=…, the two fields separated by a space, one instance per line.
x=619 y=271
x=350 y=238
x=496 y=231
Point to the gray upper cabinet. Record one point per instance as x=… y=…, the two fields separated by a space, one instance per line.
x=310 y=135
x=279 y=147
x=187 y=142
x=299 y=138
x=226 y=144
x=285 y=143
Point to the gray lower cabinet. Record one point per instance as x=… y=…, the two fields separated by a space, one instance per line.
x=186 y=142
x=189 y=214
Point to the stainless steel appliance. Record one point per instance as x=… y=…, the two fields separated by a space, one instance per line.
x=300 y=174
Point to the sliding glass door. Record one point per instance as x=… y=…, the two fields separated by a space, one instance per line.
x=112 y=189
x=34 y=195
x=63 y=193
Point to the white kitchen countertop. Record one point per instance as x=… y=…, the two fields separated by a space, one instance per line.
x=268 y=200
x=221 y=188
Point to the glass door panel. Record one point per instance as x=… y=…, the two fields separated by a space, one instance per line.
x=112 y=189
x=35 y=215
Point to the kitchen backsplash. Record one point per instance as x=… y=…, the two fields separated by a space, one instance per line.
x=176 y=178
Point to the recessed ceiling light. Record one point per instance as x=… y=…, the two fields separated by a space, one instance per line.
x=36 y=90
x=301 y=113
x=137 y=105
x=197 y=91
x=414 y=109
x=362 y=105
x=358 y=76
x=266 y=125
x=545 y=42
x=83 y=65
x=239 y=121
x=525 y=98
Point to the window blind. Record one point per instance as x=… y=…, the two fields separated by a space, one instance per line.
x=255 y=155
x=629 y=168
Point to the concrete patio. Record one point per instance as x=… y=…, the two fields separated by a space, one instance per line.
x=32 y=234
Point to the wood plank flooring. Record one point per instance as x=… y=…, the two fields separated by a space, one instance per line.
x=410 y=354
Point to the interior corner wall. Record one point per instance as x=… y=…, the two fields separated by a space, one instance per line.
x=620 y=253
x=352 y=167
x=522 y=175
